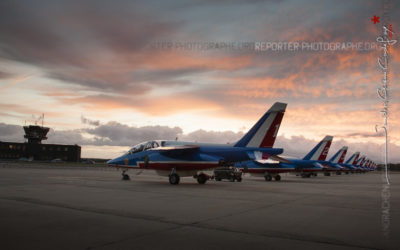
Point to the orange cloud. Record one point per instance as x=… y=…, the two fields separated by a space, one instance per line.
x=161 y=106
x=173 y=60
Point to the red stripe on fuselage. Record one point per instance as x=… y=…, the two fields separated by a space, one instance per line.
x=178 y=166
x=260 y=171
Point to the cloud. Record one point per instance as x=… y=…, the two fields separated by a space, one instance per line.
x=85 y=120
x=161 y=106
x=67 y=137
x=365 y=135
x=221 y=137
x=9 y=132
x=5 y=75
x=97 y=56
x=24 y=112
x=117 y=134
x=96 y=48
x=299 y=146
x=110 y=54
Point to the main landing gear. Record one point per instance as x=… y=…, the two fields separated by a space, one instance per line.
x=202 y=178
x=308 y=175
x=174 y=177
x=269 y=177
x=125 y=177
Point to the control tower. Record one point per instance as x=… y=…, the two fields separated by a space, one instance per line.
x=35 y=134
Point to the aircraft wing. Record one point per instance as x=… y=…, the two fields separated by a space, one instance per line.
x=278 y=158
x=177 y=150
x=262 y=156
x=337 y=166
x=318 y=165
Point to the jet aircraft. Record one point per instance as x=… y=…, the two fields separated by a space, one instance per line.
x=176 y=159
x=350 y=163
x=307 y=166
x=333 y=165
x=359 y=164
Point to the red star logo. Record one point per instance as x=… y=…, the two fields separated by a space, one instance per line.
x=375 y=19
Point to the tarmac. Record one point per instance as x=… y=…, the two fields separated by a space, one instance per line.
x=67 y=206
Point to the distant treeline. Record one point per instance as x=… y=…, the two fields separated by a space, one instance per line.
x=391 y=166
x=96 y=160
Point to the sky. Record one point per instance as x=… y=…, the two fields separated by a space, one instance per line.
x=110 y=74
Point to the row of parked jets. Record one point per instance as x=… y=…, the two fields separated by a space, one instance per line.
x=254 y=153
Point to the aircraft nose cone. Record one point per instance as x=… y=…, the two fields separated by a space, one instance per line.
x=119 y=161
x=112 y=161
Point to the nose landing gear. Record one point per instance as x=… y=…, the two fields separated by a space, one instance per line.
x=125 y=177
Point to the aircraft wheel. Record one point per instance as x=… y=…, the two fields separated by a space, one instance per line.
x=268 y=177
x=201 y=178
x=174 y=179
x=347 y=172
x=239 y=179
x=125 y=177
x=277 y=177
x=217 y=179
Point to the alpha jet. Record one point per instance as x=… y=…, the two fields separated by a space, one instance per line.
x=176 y=159
x=334 y=164
x=272 y=167
x=351 y=162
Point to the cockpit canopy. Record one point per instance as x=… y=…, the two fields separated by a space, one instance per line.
x=144 y=146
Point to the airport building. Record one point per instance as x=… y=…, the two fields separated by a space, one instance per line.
x=34 y=149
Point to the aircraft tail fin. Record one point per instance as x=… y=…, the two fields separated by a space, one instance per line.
x=320 y=151
x=264 y=132
x=361 y=160
x=341 y=159
x=353 y=159
x=339 y=156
